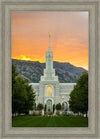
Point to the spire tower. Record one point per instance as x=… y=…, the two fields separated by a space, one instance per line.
x=49 y=71
x=49 y=39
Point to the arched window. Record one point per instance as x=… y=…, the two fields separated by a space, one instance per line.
x=49 y=91
x=65 y=106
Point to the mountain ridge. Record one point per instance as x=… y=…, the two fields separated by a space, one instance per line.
x=32 y=70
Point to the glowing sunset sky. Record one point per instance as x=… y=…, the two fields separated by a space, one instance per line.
x=69 y=36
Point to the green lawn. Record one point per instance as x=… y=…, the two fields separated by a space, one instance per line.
x=51 y=121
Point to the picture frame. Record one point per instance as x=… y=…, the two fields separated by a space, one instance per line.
x=6 y=8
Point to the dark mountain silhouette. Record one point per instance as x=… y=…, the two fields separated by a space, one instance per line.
x=33 y=70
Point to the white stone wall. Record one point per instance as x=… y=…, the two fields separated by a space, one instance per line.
x=60 y=92
x=66 y=88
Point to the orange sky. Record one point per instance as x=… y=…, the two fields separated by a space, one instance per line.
x=69 y=36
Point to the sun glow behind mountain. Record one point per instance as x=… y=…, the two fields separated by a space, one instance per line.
x=22 y=57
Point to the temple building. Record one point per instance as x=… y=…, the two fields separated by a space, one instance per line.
x=49 y=91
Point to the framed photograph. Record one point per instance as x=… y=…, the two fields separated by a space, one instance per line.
x=52 y=77
x=49 y=69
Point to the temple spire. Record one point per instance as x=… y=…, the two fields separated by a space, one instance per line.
x=49 y=40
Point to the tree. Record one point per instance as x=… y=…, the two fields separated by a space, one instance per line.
x=79 y=96
x=23 y=96
x=14 y=75
x=19 y=96
x=40 y=106
x=30 y=100
x=58 y=106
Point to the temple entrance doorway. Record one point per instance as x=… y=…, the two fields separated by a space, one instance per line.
x=49 y=106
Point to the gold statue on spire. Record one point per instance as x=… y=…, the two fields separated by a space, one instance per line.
x=49 y=34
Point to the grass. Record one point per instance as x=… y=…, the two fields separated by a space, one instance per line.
x=49 y=121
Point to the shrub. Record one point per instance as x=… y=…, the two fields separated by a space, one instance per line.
x=39 y=106
x=58 y=106
x=37 y=113
x=58 y=113
x=62 y=114
x=50 y=113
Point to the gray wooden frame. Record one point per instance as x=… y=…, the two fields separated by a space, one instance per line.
x=8 y=6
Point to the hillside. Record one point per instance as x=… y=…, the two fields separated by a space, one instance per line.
x=66 y=72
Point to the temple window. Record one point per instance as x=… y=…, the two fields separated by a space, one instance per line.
x=49 y=91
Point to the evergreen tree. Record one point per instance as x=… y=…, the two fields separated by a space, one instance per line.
x=23 y=97
x=79 y=96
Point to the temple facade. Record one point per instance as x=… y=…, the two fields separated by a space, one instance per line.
x=49 y=91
